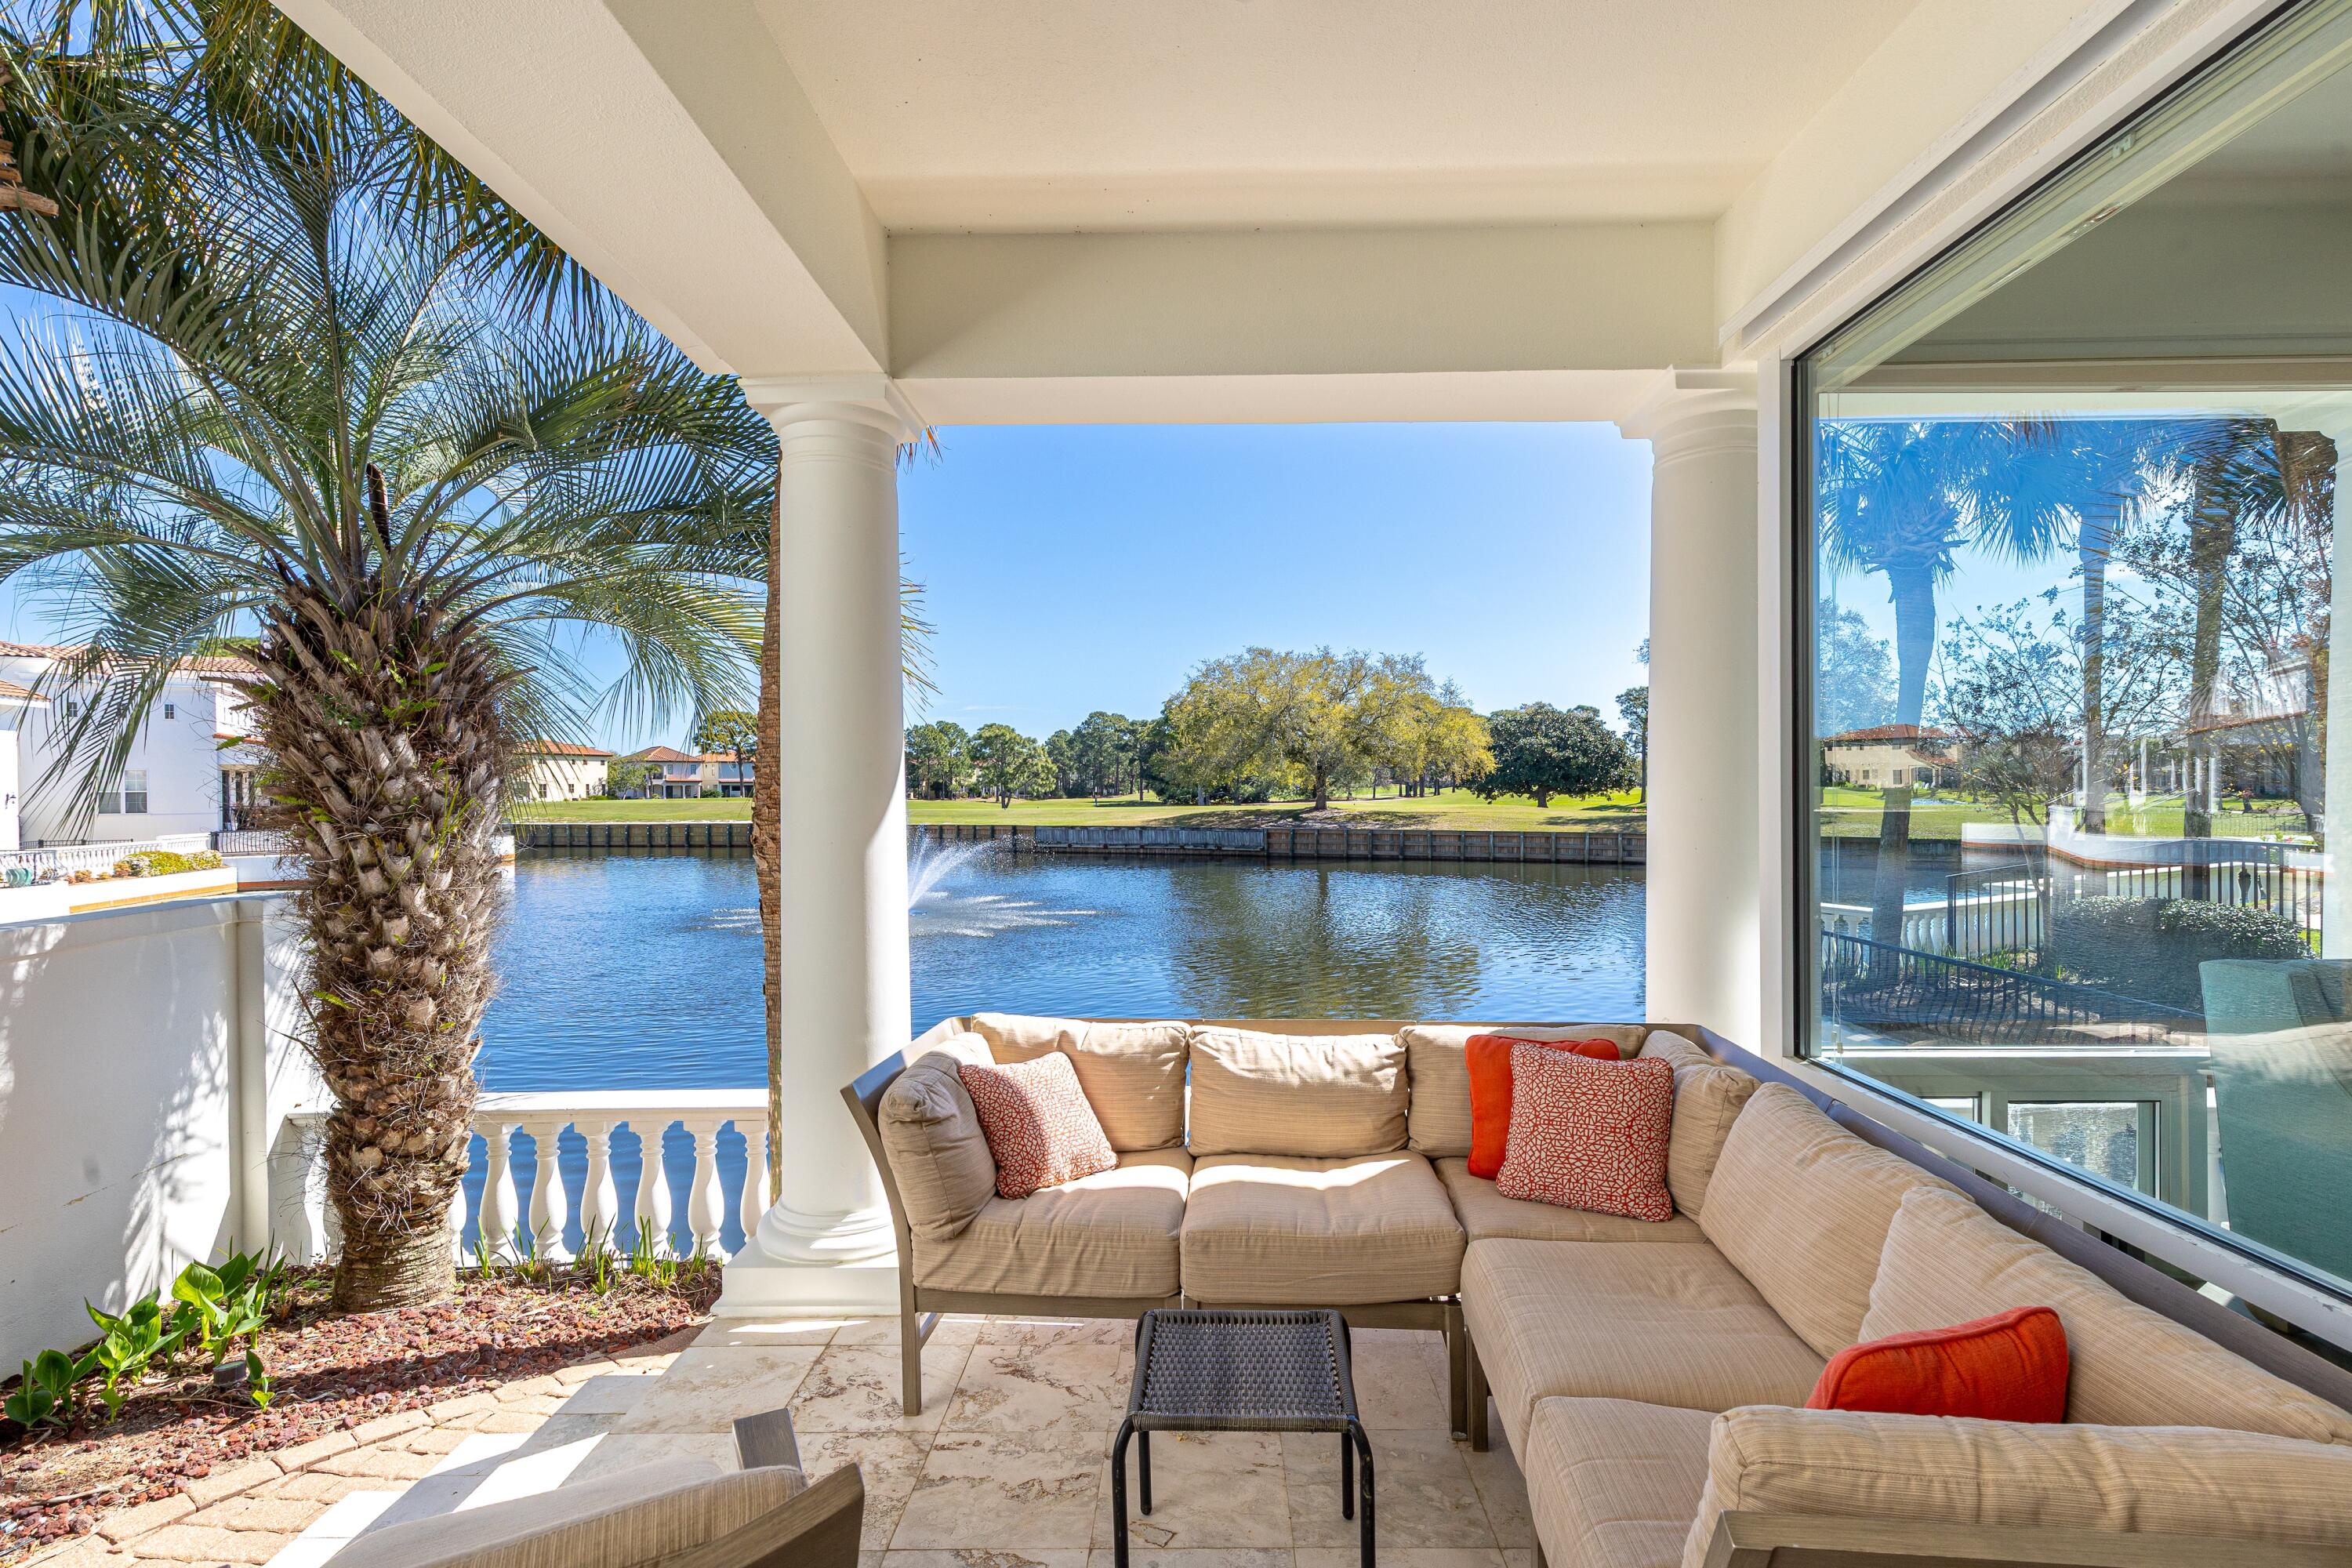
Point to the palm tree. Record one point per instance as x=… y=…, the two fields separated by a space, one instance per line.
x=284 y=399
x=1901 y=497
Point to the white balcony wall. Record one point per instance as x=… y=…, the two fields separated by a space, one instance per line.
x=143 y=1053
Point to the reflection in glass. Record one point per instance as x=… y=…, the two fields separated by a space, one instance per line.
x=2073 y=522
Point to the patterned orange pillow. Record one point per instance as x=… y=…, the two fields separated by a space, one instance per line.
x=1037 y=1123
x=1588 y=1134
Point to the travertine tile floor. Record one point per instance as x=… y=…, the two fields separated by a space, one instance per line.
x=1007 y=1466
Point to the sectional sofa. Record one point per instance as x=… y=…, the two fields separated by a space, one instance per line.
x=1649 y=1377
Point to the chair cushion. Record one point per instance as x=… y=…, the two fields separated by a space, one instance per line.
x=1040 y=1128
x=1316 y=1096
x=1669 y=1323
x=646 y=1514
x=1588 y=1134
x=931 y=1135
x=1112 y=1235
x=1439 y=1111
x=1613 y=1483
x=2160 y=1480
x=1801 y=1206
x=1489 y=1060
x=2010 y=1366
x=1709 y=1098
x=1273 y=1231
x=1133 y=1073
x=1946 y=1257
x=1485 y=1213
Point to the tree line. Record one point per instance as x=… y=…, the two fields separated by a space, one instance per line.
x=1265 y=724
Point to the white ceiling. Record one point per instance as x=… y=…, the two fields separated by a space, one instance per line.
x=1046 y=115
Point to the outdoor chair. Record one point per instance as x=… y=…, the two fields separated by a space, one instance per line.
x=682 y=1514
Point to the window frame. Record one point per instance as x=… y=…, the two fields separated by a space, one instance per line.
x=1800 y=1017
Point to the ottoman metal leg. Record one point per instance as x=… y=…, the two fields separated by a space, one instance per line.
x=1143 y=1470
x=1364 y=1519
x=1118 y=1493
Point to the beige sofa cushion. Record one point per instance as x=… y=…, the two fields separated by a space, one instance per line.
x=1113 y=1234
x=1486 y=1213
x=1275 y=1231
x=1435 y=1056
x=1133 y=1074
x=2159 y=1481
x=1948 y=1261
x=1709 y=1098
x=931 y=1135
x=1801 y=1206
x=644 y=1515
x=1316 y=1096
x=1666 y=1324
x=1613 y=1483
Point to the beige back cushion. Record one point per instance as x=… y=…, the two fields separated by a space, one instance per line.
x=1801 y=1206
x=2159 y=1481
x=1133 y=1074
x=1709 y=1098
x=651 y=1514
x=930 y=1130
x=1316 y=1096
x=1434 y=1058
x=1948 y=1261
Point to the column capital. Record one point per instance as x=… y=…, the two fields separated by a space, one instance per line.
x=863 y=398
x=1693 y=408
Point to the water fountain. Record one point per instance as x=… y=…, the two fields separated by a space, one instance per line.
x=935 y=910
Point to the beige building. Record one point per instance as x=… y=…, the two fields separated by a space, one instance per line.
x=560 y=770
x=1890 y=754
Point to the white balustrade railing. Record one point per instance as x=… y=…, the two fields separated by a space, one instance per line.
x=509 y=1226
x=66 y=858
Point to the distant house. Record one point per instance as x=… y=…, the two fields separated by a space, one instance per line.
x=15 y=702
x=1890 y=754
x=192 y=765
x=560 y=770
x=685 y=775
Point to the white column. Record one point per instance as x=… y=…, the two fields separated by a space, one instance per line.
x=827 y=1242
x=1704 y=919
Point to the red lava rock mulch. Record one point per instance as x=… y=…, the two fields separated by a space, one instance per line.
x=331 y=1372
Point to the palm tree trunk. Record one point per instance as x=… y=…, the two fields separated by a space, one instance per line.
x=388 y=765
x=2213 y=533
x=1913 y=589
x=767 y=859
x=2097 y=532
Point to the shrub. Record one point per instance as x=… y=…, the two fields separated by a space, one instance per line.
x=2150 y=948
x=165 y=863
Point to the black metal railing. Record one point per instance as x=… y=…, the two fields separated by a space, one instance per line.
x=2221 y=871
x=1902 y=992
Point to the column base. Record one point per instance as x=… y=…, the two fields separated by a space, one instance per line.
x=841 y=1266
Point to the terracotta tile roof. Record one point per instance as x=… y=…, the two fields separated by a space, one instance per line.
x=34 y=650
x=197 y=664
x=559 y=749
x=661 y=755
x=1887 y=732
x=16 y=693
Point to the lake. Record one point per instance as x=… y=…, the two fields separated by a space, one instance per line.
x=642 y=971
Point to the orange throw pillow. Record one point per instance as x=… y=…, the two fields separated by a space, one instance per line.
x=2007 y=1367
x=1490 y=1090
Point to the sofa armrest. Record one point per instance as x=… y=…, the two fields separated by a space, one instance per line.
x=1745 y=1539
x=1925 y=1478
x=766 y=1441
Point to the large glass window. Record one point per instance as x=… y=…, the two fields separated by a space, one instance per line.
x=2077 y=782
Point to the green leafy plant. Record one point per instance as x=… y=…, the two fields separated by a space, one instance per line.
x=257 y=1385
x=596 y=1257
x=218 y=1306
x=645 y=1259
x=128 y=1345
x=45 y=1395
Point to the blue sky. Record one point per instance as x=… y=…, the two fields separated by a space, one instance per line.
x=1071 y=568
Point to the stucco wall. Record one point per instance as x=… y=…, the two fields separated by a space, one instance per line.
x=126 y=1041
x=178 y=755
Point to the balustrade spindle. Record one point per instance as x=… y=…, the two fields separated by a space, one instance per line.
x=706 y=1204
x=458 y=1221
x=550 y=1208
x=651 y=1212
x=600 y=1202
x=754 y=1202
x=499 y=1207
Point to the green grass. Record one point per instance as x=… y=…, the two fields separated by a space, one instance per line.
x=1853 y=813
x=1449 y=810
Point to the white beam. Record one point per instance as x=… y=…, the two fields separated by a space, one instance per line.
x=744 y=240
